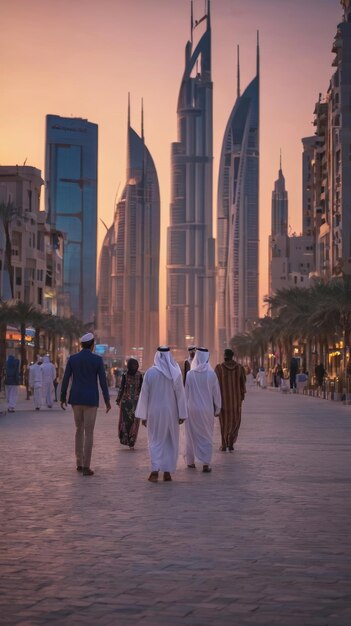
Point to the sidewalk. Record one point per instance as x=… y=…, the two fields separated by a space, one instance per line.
x=262 y=541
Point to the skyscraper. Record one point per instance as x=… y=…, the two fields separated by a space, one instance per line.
x=71 y=205
x=279 y=205
x=191 y=250
x=238 y=214
x=128 y=295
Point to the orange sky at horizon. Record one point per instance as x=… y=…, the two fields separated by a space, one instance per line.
x=82 y=57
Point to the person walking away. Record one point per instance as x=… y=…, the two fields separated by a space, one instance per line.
x=294 y=368
x=188 y=361
x=232 y=383
x=162 y=407
x=278 y=375
x=12 y=375
x=36 y=383
x=127 y=400
x=49 y=375
x=56 y=383
x=203 y=398
x=85 y=369
x=320 y=372
x=26 y=380
x=261 y=378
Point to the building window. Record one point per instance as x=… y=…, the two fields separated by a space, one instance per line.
x=40 y=295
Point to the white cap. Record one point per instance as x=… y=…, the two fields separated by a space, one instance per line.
x=87 y=337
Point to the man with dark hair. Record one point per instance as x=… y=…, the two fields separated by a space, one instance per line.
x=188 y=361
x=232 y=382
x=85 y=368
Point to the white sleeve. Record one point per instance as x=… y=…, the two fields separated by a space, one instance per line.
x=181 y=399
x=216 y=395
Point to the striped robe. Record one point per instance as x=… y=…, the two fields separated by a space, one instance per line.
x=232 y=379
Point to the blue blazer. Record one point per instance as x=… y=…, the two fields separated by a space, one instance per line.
x=84 y=368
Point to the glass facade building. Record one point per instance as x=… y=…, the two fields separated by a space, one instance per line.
x=128 y=293
x=71 y=205
x=238 y=216
x=190 y=246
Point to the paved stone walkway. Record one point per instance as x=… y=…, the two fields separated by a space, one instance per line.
x=262 y=541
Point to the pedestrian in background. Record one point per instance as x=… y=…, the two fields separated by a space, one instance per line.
x=12 y=373
x=188 y=361
x=36 y=382
x=162 y=407
x=127 y=400
x=294 y=368
x=85 y=369
x=232 y=383
x=203 y=398
x=49 y=375
x=320 y=372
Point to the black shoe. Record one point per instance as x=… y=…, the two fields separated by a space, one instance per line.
x=79 y=468
x=231 y=448
x=192 y=466
x=223 y=449
x=166 y=476
x=87 y=471
x=207 y=469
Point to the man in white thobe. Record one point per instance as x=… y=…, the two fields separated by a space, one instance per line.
x=204 y=403
x=36 y=383
x=49 y=375
x=162 y=407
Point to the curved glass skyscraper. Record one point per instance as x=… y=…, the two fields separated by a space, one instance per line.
x=190 y=255
x=128 y=296
x=238 y=216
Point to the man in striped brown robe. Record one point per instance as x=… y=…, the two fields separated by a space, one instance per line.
x=232 y=379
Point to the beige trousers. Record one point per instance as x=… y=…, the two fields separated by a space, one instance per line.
x=84 y=417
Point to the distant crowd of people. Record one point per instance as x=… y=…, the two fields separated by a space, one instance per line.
x=40 y=380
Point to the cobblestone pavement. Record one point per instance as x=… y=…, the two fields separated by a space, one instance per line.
x=263 y=540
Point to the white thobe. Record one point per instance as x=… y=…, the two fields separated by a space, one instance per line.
x=36 y=382
x=204 y=402
x=162 y=403
x=49 y=375
x=11 y=396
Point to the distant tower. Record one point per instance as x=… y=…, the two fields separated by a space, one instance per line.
x=71 y=205
x=129 y=290
x=279 y=205
x=238 y=215
x=190 y=256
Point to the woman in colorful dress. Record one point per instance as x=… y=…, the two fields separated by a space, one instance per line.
x=127 y=400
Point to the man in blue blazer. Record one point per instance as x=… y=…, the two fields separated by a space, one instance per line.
x=85 y=368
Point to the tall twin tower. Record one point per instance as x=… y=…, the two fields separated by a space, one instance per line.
x=192 y=292
x=211 y=295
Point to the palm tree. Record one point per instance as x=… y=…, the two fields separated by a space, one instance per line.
x=334 y=310
x=6 y=317
x=23 y=315
x=8 y=212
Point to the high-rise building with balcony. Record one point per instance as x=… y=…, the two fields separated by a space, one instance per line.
x=327 y=164
x=291 y=258
x=128 y=293
x=238 y=215
x=190 y=245
x=31 y=251
x=71 y=205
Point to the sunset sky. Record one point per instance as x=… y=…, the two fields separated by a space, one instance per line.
x=82 y=57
